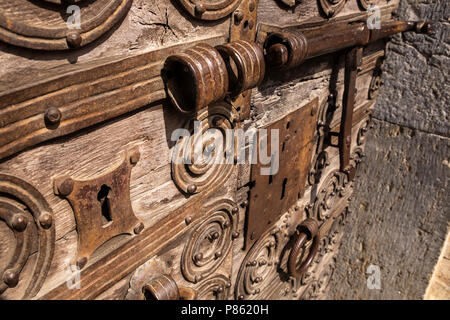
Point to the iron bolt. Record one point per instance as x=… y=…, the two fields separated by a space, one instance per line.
x=11 y=278
x=226 y=224
x=220 y=289
x=52 y=116
x=19 y=223
x=218 y=254
x=235 y=235
x=45 y=220
x=188 y=220
x=235 y=210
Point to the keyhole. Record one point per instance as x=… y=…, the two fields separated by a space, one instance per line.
x=102 y=197
x=283 y=190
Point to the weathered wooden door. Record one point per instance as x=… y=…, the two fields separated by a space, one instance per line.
x=105 y=105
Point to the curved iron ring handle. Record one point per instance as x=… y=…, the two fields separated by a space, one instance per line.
x=307 y=230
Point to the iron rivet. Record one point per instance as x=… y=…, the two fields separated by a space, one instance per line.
x=188 y=220
x=11 y=278
x=73 y=39
x=45 y=220
x=81 y=262
x=257 y=291
x=241 y=297
x=65 y=187
x=251 y=24
x=235 y=235
x=52 y=116
x=218 y=254
x=254 y=263
x=220 y=289
x=226 y=224
x=235 y=210
x=192 y=188
x=228 y=284
x=238 y=16
x=135 y=156
x=215 y=235
x=244 y=204
x=198 y=256
x=253 y=235
x=19 y=223
x=138 y=229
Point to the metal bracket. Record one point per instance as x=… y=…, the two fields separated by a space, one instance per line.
x=102 y=206
x=353 y=60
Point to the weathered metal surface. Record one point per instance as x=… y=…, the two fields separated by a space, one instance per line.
x=308 y=230
x=101 y=205
x=209 y=242
x=37 y=25
x=273 y=194
x=243 y=27
x=292 y=46
x=195 y=78
x=196 y=165
x=352 y=62
x=104 y=273
x=83 y=95
x=198 y=239
x=29 y=216
x=245 y=65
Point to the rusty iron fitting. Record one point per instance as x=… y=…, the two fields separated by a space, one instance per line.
x=286 y=49
x=307 y=230
x=162 y=287
x=245 y=64
x=195 y=78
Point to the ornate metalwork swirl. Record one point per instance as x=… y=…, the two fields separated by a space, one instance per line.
x=331 y=7
x=29 y=217
x=214 y=288
x=210 y=241
x=259 y=266
x=196 y=164
x=45 y=26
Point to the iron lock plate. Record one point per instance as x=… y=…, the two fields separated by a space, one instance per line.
x=272 y=195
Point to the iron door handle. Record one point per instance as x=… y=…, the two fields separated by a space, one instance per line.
x=307 y=230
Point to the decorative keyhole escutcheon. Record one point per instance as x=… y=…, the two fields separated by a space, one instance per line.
x=102 y=206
